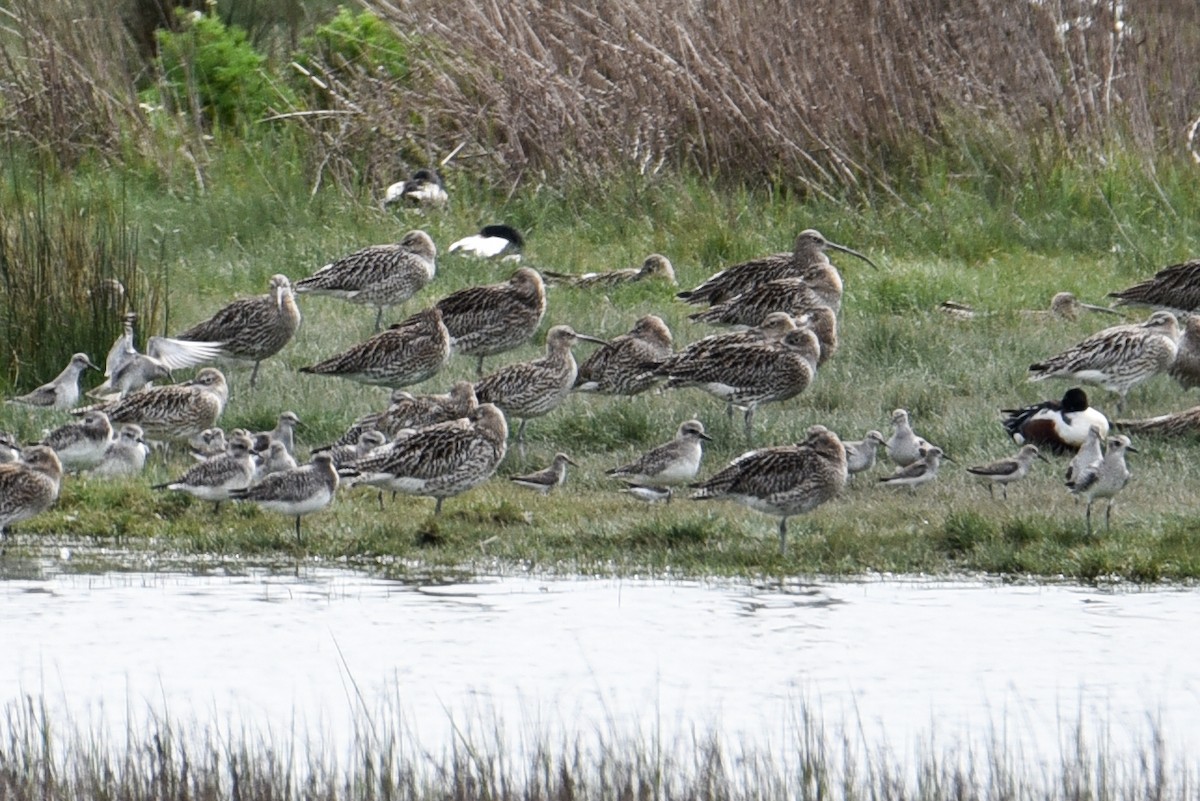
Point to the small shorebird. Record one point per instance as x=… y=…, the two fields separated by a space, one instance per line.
x=491 y=319
x=29 y=486
x=861 y=454
x=491 y=241
x=1006 y=471
x=126 y=370
x=1066 y=306
x=670 y=464
x=807 y=257
x=63 y=392
x=273 y=459
x=173 y=412
x=1185 y=369
x=783 y=481
x=1105 y=478
x=297 y=491
x=1089 y=455
x=379 y=275
x=793 y=295
x=649 y=494
x=1059 y=426
x=625 y=365
x=208 y=443
x=126 y=455
x=439 y=461
x=81 y=444
x=1174 y=288
x=216 y=478
x=548 y=478
x=1117 y=358
x=532 y=389
x=10 y=449
x=348 y=454
x=655 y=266
x=284 y=432
x=408 y=352
x=424 y=188
x=252 y=329
x=904 y=446
x=917 y=473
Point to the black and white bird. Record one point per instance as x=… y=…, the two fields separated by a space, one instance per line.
x=425 y=188
x=492 y=241
x=1059 y=426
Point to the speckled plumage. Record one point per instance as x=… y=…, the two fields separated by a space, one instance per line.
x=1173 y=426
x=415 y=411
x=671 y=464
x=491 y=319
x=1185 y=368
x=1174 y=288
x=63 y=391
x=273 y=459
x=296 y=491
x=625 y=365
x=174 y=412
x=379 y=276
x=216 y=478
x=407 y=353
x=820 y=287
x=347 y=454
x=81 y=444
x=783 y=481
x=252 y=329
x=125 y=456
x=28 y=487
x=548 y=478
x=208 y=443
x=654 y=266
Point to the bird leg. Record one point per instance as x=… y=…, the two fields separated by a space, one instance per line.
x=749 y=418
x=437 y=509
x=783 y=536
x=378 y=319
x=1089 y=518
x=254 y=375
x=297 y=529
x=479 y=367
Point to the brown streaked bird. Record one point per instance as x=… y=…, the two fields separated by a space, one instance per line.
x=807 y=257
x=172 y=412
x=654 y=266
x=1006 y=471
x=348 y=454
x=252 y=329
x=61 y=393
x=296 y=491
x=793 y=295
x=1058 y=426
x=215 y=479
x=669 y=465
x=532 y=389
x=624 y=366
x=1117 y=358
x=1175 y=425
x=491 y=319
x=1066 y=306
x=1174 y=288
x=81 y=444
x=406 y=410
x=548 y=478
x=783 y=481
x=406 y=353
x=1185 y=368
x=29 y=486
x=379 y=275
x=822 y=321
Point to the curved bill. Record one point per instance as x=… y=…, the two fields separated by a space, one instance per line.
x=852 y=252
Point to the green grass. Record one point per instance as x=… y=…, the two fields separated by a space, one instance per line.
x=1002 y=253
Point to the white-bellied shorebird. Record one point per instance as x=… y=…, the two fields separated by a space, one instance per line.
x=10 y=449
x=1174 y=288
x=80 y=445
x=273 y=459
x=783 y=481
x=172 y=412
x=862 y=454
x=920 y=472
x=297 y=491
x=345 y=455
x=1089 y=455
x=63 y=391
x=655 y=266
x=491 y=319
x=407 y=410
x=407 y=353
x=1104 y=479
x=379 y=275
x=625 y=365
x=284 y=432
x=1057 y=426
x=252 y=329
x=548 y=478
x=904 y=446
x=28 y=486
x=491 y=241
x=216 y=478
x=127 y=370
x=668 y=465
x=124 y=456
x=1006 y=471
x=1117 y=358
x=424 y=188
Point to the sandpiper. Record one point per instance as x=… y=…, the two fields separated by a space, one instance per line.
x=126 y=370
x=208 y=443
x=491 y=319
x=861 y=454
x=917 y=473
x=348 y=454
x=625 y=365
x=1057 y=426
x=1105 y=478
x=216 y=478
x=904 y=446
x=546 y=479
x=173 y=412
x=81 y=444
x=124 y=456
x=61 y=393
x=252 y=329
x=1117 y=358
x=424 y=188
x=28 y=486
x=274 y=459
x=793 y=295
x=1174 y=288
x=1006 y=471
x=783 y=481
x=671 y=464
x=408 y=352
x=379 y=275
x=491 y=241
x=297 y=491
x=655 y=266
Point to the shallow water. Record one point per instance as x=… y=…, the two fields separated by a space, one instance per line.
x=901 y=663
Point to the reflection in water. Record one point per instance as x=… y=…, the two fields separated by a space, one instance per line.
x=896 y=662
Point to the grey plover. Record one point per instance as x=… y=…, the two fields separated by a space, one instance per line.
x=1089 y=455
x=749 y=374
x=1174 y=288
x=424 y=188
x=63 y=392
x=862 y=454
x=655 y=266
x=904 y=446
x=783 y=481
x=125 y=456
x=29 y=486
x=625 y=366
x=438 y=461
x=379 y=276
x=491 y=319
x=295 y=492
x=1006 y=471
x=669 y=465
x=920 y=472
x=491 y=241
x=126 y=370
x=1057 y=426
x=546 y=479
x=284 y=432
x=532 y=389
x=214 y=479
x=81 y=444
x=172 y=412
x=252 y=329
x=408 y=352
x=274 y=459
x=791 y=295
x=348 y=454
x=806 y=257
x=1106 y=478
x=1185 y=368
x=1117 y=358
x=208 y=443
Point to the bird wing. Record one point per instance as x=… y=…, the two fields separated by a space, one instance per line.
x=176 y=354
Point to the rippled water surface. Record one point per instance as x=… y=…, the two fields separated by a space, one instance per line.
x=902 y=661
